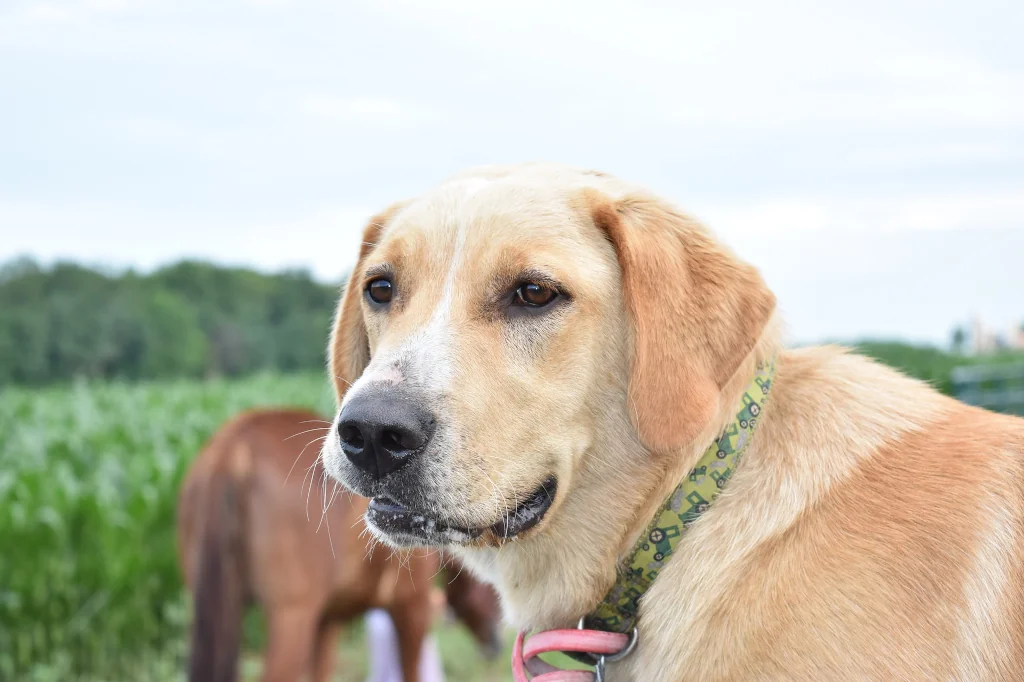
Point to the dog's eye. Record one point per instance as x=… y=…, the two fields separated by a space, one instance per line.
x=380 y=290
x=535 y=295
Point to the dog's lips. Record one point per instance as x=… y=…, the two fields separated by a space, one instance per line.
x=528 y=512
x=394 y=518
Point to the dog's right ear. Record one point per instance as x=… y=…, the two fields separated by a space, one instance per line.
x=348 y=353
x=696 y=310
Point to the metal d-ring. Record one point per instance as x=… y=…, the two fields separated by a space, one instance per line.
x=600 y=661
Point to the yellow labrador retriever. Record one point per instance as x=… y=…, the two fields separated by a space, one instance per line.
x=531 y=359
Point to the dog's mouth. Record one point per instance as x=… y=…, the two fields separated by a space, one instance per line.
x=409 y=525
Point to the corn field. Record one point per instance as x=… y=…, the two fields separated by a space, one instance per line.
x=89 y=474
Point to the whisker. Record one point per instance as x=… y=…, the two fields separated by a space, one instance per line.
x=299 y=456
x=323 y=502
x=319 y=428
x=457 y=574
x=312 y=474
x=330 y=540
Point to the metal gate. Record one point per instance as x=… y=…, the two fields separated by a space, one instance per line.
x=995 y=387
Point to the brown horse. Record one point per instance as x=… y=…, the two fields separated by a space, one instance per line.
x=254 y=527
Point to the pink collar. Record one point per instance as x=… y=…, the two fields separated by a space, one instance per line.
x=602 y=647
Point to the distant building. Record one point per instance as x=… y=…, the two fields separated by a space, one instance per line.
x=982 y=340
x=1017 y=337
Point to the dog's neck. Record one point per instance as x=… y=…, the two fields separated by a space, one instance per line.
x=552 y=579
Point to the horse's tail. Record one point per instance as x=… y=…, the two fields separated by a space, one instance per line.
x=219 y=592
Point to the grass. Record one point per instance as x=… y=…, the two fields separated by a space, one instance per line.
x=459 y=655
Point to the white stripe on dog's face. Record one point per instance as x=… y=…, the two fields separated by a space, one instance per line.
x=425 y=357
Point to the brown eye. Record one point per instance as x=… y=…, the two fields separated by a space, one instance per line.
x=535 y=295
x=380 y=290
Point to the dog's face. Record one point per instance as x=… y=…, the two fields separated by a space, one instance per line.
x=487 y=330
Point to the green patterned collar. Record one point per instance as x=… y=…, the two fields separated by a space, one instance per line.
x=618 y=611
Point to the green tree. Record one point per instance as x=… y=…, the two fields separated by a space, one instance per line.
x=187 y=319
x=959 y=338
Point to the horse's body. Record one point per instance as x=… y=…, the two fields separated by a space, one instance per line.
x=252 y=528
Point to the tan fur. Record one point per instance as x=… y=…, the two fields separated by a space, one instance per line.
x=349 y=350
x=696 y=314
x=875 y=530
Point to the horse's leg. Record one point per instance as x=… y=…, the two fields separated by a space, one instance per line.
x=412 y=621
x=291 y=631
x=326 y=654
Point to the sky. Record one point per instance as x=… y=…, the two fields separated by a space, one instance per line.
x=868 y=157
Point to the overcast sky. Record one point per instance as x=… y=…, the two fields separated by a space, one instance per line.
x=867 y=156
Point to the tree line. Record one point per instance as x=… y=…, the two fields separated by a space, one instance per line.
x=189 y=319
x=195 y=319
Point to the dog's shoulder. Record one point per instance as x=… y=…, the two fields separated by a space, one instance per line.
x=831 y=398
x=890 y=504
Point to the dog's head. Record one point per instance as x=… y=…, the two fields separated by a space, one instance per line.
x=494 y=328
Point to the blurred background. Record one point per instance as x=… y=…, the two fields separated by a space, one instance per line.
x=183 y=187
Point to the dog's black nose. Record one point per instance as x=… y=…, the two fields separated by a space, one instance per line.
x=382 y=431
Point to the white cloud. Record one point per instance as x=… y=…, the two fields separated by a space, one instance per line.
x=991 y=209
x=325 y=240
x=752 y=66
x=903 y=156
x=124 y=31
x=73 y=10
x=256 y=130
x=46 y=13
x=386 y=111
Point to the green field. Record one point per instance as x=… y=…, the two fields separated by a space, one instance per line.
x=89 y=583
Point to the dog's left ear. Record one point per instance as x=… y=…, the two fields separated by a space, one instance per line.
x=348 y=352
x=696 y=310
